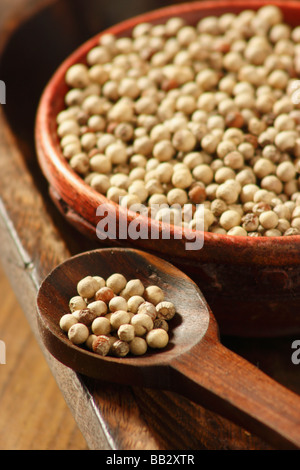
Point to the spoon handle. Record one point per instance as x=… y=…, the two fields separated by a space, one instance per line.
x=220 y=380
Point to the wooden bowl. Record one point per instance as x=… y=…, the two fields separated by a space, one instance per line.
x=251 y=284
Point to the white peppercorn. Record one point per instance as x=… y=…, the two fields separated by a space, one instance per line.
x=115 y=194
x=100 y=183
x=117 y=303
x=101 y=326
x=147 y=308
x=77 y=76
x=250 y=222
x=218 y=206
x=286 y=171
x=105 y=294
x=165 y=310
x=134 y=302
x=224 y=147
x=227 y=193
x=224 y=173
x=98 y=307
x=85 y=316
x=263 y=167
x=161 y=323
x=268 y=219
x=116 y=282
x=234 y=160
x=237 y=231
x=283 y=225
x=67 y=321
x=77 y=303
x=118 y=318
x=133 y=287
x=163 y=150
x=120 y=348
x=182 y=178
x=296 y=223
x=229 y=219
x=138 y=188
x=78 y=333
x=87 y=287
x=209 y=142
x=272 y=184
x=292 y=231
x=142 y=324
x=80 y=163
x=285 y=140
x=203 y=173
x=126 y=333
x=138 y=346
x=154 y=294
x=157 y=338
x=101 y=345
x=89 y=341
x=274 y=232
x=183 y=140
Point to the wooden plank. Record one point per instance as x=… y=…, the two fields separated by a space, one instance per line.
x=28 y=422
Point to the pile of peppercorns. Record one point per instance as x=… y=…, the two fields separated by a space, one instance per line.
x=178 y=114
x=117 y=317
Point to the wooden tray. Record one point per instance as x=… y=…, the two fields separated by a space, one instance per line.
x=35 y=238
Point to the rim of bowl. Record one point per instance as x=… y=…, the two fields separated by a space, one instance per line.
x=47 y=141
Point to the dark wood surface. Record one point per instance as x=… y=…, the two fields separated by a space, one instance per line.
x=35 y=238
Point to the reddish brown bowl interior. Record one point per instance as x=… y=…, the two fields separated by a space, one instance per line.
x=246 y=280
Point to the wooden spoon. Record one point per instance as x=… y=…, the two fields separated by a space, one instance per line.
x=195 y=364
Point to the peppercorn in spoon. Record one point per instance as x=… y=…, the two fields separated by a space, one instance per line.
x=194 y=363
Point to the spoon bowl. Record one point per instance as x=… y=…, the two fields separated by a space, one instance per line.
x=186 y=328
x=194 y=364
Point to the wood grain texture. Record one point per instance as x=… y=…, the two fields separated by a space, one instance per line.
x=35 y=238
x=28 y=422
